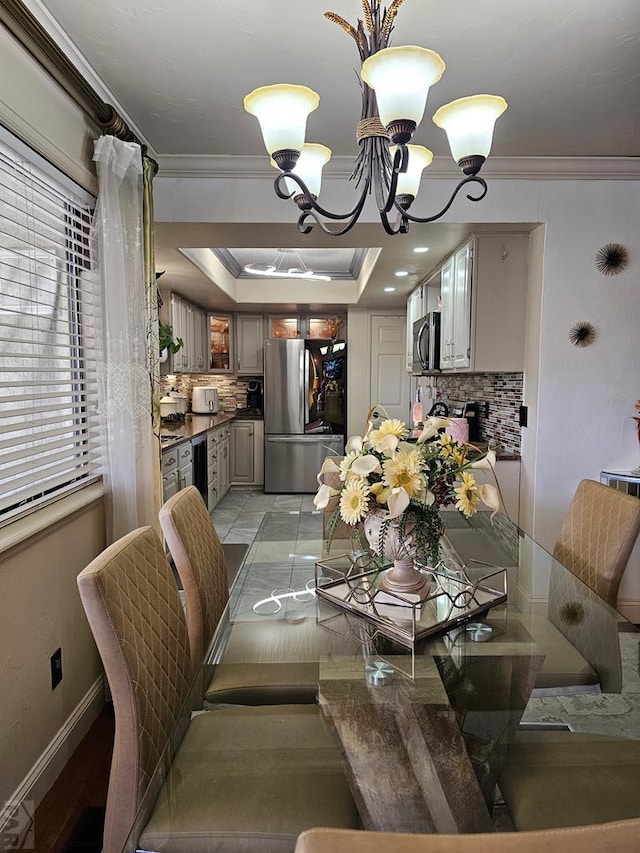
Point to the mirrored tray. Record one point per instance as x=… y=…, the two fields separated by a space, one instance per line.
x=456 y=595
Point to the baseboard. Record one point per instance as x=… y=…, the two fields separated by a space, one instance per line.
x=52 y=761
x=630 y=609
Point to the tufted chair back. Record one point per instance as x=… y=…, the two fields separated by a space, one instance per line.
x=598 y=535
x=199 y=558
x=132 y=604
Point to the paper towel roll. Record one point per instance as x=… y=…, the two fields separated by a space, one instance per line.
x=458 y=429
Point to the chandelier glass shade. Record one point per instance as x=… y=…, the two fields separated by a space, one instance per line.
x=395 y=87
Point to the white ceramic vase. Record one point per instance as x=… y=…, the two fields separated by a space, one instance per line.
x=397 y=545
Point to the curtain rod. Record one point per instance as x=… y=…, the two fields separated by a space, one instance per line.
x=32 y=35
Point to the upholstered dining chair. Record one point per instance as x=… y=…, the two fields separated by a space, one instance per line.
x=620 y=837
x=596 y=539
x=199 y=560
x=555 y=779
x=597 y=536
x=238 y=779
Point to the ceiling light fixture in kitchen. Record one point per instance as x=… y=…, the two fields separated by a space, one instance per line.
x=395 y=85
x=281 y=267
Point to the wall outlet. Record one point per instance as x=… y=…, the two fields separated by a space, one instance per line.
x=56 y=668
x=523 y=417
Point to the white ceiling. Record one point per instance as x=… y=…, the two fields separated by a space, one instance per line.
x=179 y=69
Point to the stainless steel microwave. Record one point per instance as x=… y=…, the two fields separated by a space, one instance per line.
x=426 y=343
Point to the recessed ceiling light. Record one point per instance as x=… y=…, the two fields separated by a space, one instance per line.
x=420 y=249
x=401 y=273
x=389 y=289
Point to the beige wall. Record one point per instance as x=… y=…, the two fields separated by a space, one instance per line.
x=41 y=557
x=40 y=611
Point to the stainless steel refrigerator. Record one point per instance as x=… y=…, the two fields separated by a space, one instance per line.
x=305 y=404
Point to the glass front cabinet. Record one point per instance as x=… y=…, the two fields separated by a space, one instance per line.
x=220 y=343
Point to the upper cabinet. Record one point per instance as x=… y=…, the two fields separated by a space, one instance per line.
x=415 y=311
x=188 y=322
x=249 y=344
x=455 y=326
x=220 y=343
x=482 y=290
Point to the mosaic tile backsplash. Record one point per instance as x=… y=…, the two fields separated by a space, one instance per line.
x=502 y=392
x=232 y=390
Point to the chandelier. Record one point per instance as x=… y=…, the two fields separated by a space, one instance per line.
x=281 y=267
x=395 y=85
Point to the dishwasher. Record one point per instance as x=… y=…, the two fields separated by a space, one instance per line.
x=199 y=454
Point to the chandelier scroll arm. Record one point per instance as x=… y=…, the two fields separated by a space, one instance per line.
x=338 y=232
x=476 y=179
x=310 y=203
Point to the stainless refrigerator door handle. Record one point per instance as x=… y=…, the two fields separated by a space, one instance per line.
x=305 y=386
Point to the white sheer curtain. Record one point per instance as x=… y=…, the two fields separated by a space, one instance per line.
x=124 y=369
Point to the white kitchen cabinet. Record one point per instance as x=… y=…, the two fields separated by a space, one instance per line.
x=484 y=293
x=247 y=453
x=189 y=323
x=249 y=345
x=455 y=289
x=177 y=469
x=507 y=475
x=415 y=310
x=218 y=464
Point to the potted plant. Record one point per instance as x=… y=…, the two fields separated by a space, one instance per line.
x=168 y=344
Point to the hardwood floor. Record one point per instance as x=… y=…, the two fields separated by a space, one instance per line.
x=80 y=789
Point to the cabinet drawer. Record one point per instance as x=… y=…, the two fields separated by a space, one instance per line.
x=184 y=454
x=170 y=460
x=169 y=485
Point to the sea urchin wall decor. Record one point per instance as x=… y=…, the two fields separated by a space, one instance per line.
x=582 y=334
x=612 y=259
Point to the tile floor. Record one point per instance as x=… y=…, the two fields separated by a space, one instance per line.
x=240 y=512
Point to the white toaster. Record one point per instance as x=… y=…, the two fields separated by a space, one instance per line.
x=204 y=400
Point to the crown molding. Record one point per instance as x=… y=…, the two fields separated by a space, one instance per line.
x=38 y=31
x=506 y=168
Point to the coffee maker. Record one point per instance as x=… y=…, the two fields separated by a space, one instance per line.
x=254 y=394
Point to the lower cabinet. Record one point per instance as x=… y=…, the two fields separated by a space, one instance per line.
x=218 y=477
x=247 y=453
x=177 y=469
x=507 y=473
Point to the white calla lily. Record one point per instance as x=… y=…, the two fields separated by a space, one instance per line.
x=355 y=443
x=397 y=502
x=490 y=496
x=487 y=463
x=388 y=445
x=365 y=465
x=431 y=428
x=324 y=495
x=329 y=466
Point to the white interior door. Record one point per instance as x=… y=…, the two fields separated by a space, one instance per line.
x=389 y=377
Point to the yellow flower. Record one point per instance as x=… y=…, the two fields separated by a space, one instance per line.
x=354 y=500
x=391 y=428
x=447 y=446
x=468 y=496
x=403 y=472
x=459 y=456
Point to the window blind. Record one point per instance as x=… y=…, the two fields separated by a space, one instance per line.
x=49 y=324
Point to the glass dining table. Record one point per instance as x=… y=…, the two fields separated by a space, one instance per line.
x=423 y=702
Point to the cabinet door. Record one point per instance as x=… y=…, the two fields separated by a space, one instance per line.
x=249 y=345
x=220 y=334
x=414 y=312
x=242 y=456
x=461 y=331
x=179 y=321
x=448 y=308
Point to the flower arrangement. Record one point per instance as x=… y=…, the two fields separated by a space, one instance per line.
x=410 y=482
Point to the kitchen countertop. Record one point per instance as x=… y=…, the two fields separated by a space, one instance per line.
x=172 y=434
